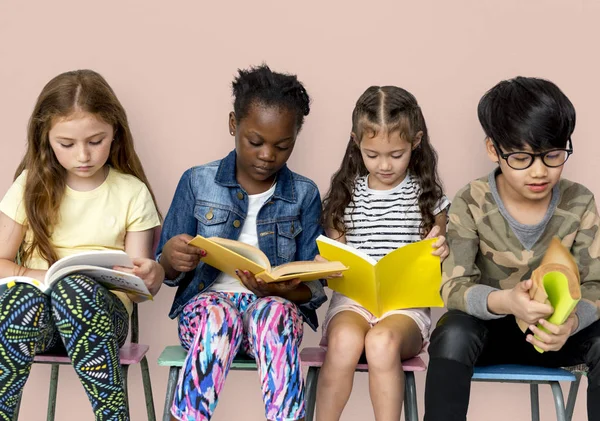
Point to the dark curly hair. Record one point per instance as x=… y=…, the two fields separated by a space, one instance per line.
x=397 y=110
x=260 y=85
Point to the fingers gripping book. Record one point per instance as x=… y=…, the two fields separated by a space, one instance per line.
x=95 y=264
x=556 y=282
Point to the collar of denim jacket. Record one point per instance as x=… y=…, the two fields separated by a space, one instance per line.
x=284 y=189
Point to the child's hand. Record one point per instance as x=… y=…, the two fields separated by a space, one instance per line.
x=179 y=255
x=440 y=246
x=555 y=338
x=150 y=271
x=264 y=289
x=319 y=258
x=523 y=307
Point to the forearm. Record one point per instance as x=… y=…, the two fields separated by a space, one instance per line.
x=10 y=268
x=298 y=295
x=170 y=273
x=497 y=302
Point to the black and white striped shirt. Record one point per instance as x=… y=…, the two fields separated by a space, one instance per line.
x=380 y=221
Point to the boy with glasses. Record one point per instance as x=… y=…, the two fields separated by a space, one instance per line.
x=500 y=227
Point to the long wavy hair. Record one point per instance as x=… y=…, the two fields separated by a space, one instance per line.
x=75 y=91
x=391 y=109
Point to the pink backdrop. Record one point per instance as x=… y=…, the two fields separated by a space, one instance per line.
x=171 y=66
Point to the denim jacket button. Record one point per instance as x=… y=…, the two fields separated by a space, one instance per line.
x=201 y=286
x=237 y=223
x=209 y=215
x=240 y=195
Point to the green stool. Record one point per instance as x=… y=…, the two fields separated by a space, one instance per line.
x=174 y=356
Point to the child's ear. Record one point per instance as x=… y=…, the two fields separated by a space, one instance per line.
x=491 y=151
x=232 y=123
x=355 y=139
x=417 y=140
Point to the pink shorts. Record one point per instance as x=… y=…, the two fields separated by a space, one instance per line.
x=339 y=303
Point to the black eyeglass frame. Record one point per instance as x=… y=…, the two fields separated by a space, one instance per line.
x=542 y=155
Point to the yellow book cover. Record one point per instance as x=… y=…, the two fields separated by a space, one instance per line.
x=555 y=282
x=231 y=255
x=407 y=277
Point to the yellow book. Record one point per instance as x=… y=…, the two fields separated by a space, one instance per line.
x=405 y=278
x=231 y=255
x=555 y=282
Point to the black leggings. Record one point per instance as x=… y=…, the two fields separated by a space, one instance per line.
x=460 y=342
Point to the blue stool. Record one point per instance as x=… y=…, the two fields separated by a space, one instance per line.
x=533 y=376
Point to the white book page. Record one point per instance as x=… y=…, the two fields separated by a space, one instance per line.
x=102 y=258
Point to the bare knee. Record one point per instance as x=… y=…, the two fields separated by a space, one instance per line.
x=383 y=347
x=345 y=344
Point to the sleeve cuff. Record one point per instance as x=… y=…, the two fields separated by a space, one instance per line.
x=318 y=295
x=586 y=313
x=476 y=302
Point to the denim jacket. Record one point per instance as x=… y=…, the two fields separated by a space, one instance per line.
x=210 y=202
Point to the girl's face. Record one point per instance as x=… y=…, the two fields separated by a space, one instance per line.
x=386 y=157
x=264 y=140
x=81 y=143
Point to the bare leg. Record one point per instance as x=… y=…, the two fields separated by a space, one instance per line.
x=345 y=343
x=393 y=339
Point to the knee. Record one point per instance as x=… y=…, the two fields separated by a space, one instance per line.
x=24 y=299
x=73 y=286
x=458 y=336
x=277 y=311
x=346 y=344
x=220 y=312
x=382 y=347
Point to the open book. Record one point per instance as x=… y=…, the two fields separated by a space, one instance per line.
x=95 y=264
x=229 y=255
x=555 y=282
x=407 y=277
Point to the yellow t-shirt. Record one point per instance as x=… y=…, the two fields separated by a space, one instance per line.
x=93 y=220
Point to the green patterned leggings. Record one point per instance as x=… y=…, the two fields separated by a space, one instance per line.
x=80 y=316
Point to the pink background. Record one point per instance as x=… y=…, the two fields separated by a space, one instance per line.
x=171 y=65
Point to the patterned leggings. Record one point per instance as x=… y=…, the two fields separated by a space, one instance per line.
x=213 y=326
x=79 y=315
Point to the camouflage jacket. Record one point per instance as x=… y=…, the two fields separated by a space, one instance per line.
x=485 y=255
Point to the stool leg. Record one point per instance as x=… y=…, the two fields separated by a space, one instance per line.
x=410 y=397
x=125 y=371
x=173 y=376
x=572 y=397
x=312 y=378
x=53 y=392
x=535 y=402
x=147 y=381
x=559 y=402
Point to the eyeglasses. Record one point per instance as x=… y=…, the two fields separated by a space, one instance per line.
x=522 y=160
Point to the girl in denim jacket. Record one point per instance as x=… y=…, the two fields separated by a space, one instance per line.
x=251 y=196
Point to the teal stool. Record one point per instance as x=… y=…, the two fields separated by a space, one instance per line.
x=534 y=376
x=174 y=356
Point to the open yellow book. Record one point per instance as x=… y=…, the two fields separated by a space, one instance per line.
x=555 y=282
x=229 y=255
x=405 y=278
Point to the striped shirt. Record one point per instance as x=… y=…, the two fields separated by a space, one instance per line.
x=380 y=221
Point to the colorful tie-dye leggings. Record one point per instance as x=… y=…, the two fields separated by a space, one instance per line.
x=92 y=324
x=213 y=326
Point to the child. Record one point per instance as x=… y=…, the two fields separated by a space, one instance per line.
x=386 y=194
x=500 y=228
x=250 y=195
x=80 y=187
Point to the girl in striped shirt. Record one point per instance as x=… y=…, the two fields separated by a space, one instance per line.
x=386 y=194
